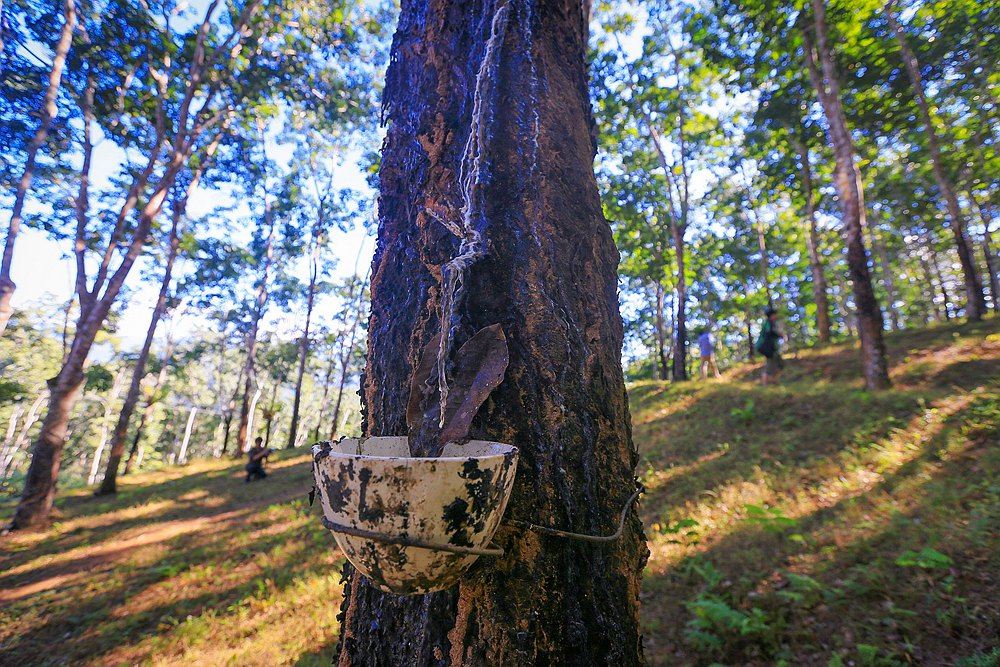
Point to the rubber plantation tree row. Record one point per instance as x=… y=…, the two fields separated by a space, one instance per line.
x=188 y=97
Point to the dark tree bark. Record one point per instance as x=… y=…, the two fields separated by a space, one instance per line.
x=549 y=278
x=824 y=77
x=975 y=304
x=819 y=288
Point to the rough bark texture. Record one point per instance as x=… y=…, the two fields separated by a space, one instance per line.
x=975 y=306
x=48 y=114
x=823 y=74
x=549 y=280
x=819 y=288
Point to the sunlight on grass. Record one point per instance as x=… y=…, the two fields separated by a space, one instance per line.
x=799 y=521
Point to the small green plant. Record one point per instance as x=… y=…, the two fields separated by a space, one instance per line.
x=926 y=558
x=745 y=414
x=684 y=528
x=714 y=623
x=991 y=659
x=770 y=518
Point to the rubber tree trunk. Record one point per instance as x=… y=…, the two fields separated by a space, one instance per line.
x=679 y=367
x=47 y=115
x=819 y=288
x=824 y=77
x=662 y=368
x=182 y=455
x=109 y=403
x=549 y=278
x=325 y=399
x=938 y=275
x=992 y=265
x=118 y=438
x=975 y=304
x=304 y=344
x=927 y=289
x=346 y=353
x=260 y=306
x=888 y=277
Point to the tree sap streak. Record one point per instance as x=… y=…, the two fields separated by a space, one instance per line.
x=975 y=306
x=823 y=75
x=47 y=115
x=548 y=279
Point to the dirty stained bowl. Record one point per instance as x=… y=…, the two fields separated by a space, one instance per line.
x=380 y=503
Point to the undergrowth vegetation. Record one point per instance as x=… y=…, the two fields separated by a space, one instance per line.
x=805 y=523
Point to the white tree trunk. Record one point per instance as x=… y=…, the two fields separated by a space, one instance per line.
x=6 y=463
x=252 y=409
x=182 y=457
x=109 y=403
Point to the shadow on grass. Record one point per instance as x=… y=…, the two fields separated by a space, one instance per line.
x=830 y=586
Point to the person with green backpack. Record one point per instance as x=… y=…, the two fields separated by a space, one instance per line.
x=767 y=344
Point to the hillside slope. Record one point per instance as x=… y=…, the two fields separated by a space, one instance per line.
x=810 y=522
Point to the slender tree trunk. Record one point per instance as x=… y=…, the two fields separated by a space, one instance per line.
x=875 y=363
x=550 y=281
x=346 y=353
x=48 y=114
x=975 y=306
x=109 y=403
x=992 y=265
x=182 y=456
x=765 y=268
x=748 y=322
x=661 y=335
x=258 y=313
x=324 y=401
x=679 y=369
x=927 y=287
x=230 y=411
x=888 y=280
x=251 y=412
x=304 y=345
x=108 y=484
x=819 y=288
x=335 y=418
x=7 y=464
x=8 y=439
x=135 y=451
x=936 y=267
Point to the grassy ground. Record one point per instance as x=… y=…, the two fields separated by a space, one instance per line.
x=811 y=523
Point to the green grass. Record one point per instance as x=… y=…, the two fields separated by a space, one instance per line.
x=809 y=523
x=817 y=523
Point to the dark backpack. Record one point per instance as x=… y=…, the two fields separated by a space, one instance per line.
x=766 y=342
